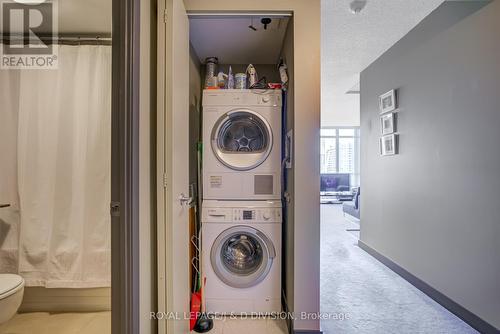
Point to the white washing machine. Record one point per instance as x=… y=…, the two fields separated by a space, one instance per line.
x=241 y=144
x=241 y=255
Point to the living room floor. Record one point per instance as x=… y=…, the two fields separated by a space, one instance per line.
x=361 y=295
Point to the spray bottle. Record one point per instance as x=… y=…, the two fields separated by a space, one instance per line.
x=230 y=79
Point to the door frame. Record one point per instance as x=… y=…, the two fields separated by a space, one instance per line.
x=162 y=195
x=172 y=277
x=124 y=207
x=165 y=195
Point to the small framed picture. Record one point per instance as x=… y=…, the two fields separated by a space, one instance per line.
x=388 y=123
x=389 y=144
x=388 y=101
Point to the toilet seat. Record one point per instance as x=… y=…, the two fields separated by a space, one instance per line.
x=10 y=284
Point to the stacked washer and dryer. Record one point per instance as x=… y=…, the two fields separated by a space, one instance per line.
x=241 y=210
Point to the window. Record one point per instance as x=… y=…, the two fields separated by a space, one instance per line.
x=328 y=155
x=340 y=152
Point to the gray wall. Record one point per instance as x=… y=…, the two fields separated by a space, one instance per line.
x=434 y=209
x=195 y=91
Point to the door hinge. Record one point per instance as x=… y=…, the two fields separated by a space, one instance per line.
x=165 y=16
x=114 y=209
x=165 y=180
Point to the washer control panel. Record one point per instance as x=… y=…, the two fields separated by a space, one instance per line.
x=257 y=215
x=251 y=213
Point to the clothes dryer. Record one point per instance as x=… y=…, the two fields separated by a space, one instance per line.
x=241 y=144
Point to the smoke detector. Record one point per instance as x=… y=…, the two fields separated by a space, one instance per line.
x=357 y=6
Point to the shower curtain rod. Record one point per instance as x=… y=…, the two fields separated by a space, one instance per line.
x=69 y=39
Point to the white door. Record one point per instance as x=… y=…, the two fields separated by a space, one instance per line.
x=173 y=165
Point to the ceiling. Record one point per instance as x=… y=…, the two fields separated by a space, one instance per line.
x=351 y=42
x=233 y=42
x=83 y=17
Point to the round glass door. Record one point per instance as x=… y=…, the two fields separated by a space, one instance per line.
x=242 y=139
x=242 y=256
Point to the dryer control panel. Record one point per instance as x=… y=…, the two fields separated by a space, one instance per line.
x=242 y=97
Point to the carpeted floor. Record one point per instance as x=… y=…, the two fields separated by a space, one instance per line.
x=361 y=295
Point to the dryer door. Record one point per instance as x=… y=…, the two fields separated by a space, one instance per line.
x=242 y=256
x=242 y=139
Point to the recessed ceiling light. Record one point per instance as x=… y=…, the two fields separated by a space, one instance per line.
x=357 y=6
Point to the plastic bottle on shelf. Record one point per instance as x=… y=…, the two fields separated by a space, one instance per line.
x=211 y=71
x=240 y=81
x=230 y=79
x=222 y=80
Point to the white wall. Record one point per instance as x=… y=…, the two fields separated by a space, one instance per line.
x=306 y=151
x=346 y=113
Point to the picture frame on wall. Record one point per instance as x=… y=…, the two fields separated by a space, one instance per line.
x=388 y=123
x=388 y=101
x=389 y=144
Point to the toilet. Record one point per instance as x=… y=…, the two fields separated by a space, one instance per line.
x=11 y=295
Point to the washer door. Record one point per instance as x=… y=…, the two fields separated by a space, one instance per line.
x=242 y=139
x=242 y=256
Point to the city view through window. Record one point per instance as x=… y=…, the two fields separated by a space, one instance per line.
x=340 y=152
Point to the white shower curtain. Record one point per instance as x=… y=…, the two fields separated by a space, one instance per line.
x=9 y=217
x=64 y=148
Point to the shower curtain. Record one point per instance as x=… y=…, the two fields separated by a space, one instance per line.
x=64 y=169
x=9 y=217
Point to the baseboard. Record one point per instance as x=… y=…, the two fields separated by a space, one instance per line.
x=38 y=299
x=473 y=320
x=289 y=321
x=286 y=309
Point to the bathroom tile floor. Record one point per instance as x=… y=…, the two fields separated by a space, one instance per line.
x=58 y=323
x=100 y=323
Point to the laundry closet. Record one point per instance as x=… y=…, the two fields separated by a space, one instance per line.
x=240 y=80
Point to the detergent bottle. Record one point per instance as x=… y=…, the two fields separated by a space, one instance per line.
x=221 y=80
